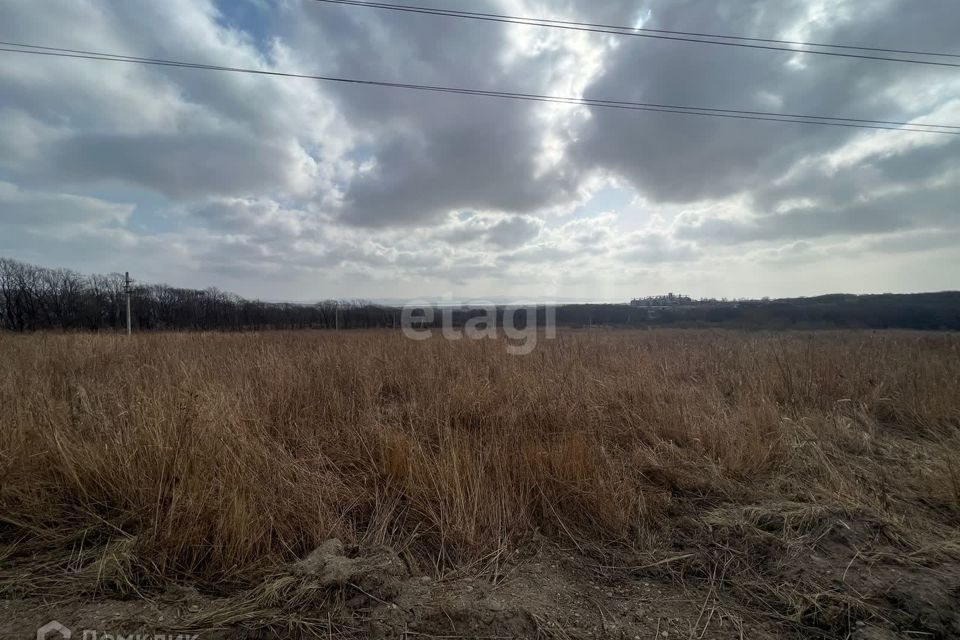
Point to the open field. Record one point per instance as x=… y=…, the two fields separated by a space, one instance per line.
x=610 y=484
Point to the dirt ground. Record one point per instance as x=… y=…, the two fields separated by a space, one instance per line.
x=848 y=581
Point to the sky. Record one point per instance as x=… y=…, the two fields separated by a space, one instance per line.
x=294 y=189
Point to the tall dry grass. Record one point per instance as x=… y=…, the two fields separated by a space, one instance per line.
x=218 y=456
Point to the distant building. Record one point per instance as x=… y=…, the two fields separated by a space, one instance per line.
x=668 y=300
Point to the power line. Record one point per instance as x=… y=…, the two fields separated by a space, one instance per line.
x=703 y=111
x=663 y=34
x=8 y=47
x=596 y=101
x=629 y=30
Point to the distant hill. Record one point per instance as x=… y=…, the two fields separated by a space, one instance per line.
x=36 y=298
x=928 y=311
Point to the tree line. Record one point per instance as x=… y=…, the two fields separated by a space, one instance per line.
x=36 y=298
x=922 y=311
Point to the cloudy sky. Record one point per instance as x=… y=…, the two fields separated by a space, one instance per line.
x=296 y=189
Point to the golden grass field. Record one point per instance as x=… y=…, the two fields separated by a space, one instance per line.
x=748 y=468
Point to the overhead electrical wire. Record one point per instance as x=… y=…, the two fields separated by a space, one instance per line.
x=859 y=123
x=770 y=44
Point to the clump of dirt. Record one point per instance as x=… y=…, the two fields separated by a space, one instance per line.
x=763 y=570
x=376 y=573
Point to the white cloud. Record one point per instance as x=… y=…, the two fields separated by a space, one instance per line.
x=301 y=189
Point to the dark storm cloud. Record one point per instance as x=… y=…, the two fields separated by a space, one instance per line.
x=480 y=160
x=179 y=132
x=437 y=152
x=920 y=163
x=684 y=158
x=231 y=164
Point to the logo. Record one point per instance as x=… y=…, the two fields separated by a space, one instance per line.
x=520 y=323
x=52 y=631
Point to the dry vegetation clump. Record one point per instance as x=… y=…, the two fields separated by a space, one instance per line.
x=788 y=470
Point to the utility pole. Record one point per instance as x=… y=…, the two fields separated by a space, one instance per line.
x=336 y=315
x=128 y=291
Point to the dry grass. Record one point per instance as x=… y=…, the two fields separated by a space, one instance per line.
x=222 y=456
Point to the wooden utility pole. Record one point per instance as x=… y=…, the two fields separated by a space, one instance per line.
x=128 y=290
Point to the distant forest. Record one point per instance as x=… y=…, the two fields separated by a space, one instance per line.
x=36 y=298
